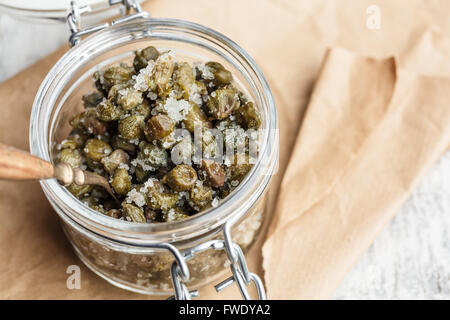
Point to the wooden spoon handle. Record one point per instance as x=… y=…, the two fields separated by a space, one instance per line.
x=16 y=164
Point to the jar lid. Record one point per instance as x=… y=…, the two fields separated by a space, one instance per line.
x=55 y=10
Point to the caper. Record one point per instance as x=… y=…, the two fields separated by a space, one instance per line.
x=181 y=178
x=152 y=155
x=96 y=149
x=221 y=75
x=107 y=110
x=163 y=72
x=143 y=56
x=92 y=100
x=157 y=197
x=115 y=159
x=115 y=75
x=174 y=214
x=76 y=139
x=79 y=191
x=195 y=117
x=184 y=77
x=240 y=166
x=129 y=98
x=133 y=213
x=71 y=156
x=200 y=197
x=130 y=128
x=121 y=181
x=158 y=127
x=221 y=103
x=119 y=143
x=214 y=172
x=142 y=110
x=92 y=123
x=248 y=117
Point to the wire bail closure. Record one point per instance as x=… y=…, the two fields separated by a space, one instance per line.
x=74 y=18
x=241 y=275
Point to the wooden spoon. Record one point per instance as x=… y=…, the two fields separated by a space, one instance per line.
x=16 y=164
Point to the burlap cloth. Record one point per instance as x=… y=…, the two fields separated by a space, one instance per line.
x=357 y=134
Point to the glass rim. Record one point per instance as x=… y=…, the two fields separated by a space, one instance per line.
x=241 y=199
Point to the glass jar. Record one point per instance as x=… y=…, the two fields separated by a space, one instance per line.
x=140 y=257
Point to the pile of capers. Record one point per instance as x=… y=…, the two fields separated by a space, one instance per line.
x=126 y=134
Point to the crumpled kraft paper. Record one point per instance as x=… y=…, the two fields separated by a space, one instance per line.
x=288 y=39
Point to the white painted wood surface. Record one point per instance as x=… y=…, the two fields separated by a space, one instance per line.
x=409 y=260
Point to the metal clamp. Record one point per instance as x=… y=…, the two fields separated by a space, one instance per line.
x=238 y=266
x=75 y=12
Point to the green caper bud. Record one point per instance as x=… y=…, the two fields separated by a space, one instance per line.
x=195 y=117
x=115 y=75
x=214 y=172
x=174 y=214
x=248 y=117
x=129 y=98
x=76 y=139
x=119 y=143
x=158 y=127
x=92 y=100
x=184 y=77
x=92 y=123
x=121 y=181
x=221 y=103
x=141 y=174
x=96 y=149
x=240 y=166
x=133 y=213
x=163 y=72
x=143 y=56
x=181 y=178
x=143 y=110
x=108 y=111
x=161 y=200
x=77 y=121
x=114 y=160
x=153 y=156
x=200 y=197
x=221 y=75
x=72 y=157
x=79 y=191
x=130 y=128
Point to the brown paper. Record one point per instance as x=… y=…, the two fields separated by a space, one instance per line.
x=335 y=200
x=288 y=39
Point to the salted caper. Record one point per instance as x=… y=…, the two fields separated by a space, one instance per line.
x=221 y=75
x=133 y=213
x=92 y=100
x=195 y=117
x=131 y=127
x=115 y=159
x=221 y=103
x=181 y=178
x=143 y=56
x=107 y=110
x=248 y=117
x=200 y=197
x=121 y=181
x=96 y=149
x=71 y=156
x=158 y=127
